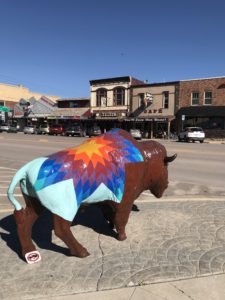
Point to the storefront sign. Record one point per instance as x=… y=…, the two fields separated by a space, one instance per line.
x=108 y=114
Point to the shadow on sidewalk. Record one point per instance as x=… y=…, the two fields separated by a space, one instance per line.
x=42 y=230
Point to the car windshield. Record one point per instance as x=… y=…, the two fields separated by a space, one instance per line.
x=134 y=130
x=193 y=129
x=56 y=126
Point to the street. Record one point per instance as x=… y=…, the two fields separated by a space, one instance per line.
x=198 y=169
x=180 y=236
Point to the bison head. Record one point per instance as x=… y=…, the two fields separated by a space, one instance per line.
x=156 y=174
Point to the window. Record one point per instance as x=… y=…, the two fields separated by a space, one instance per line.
x=141 y=98
x=208 y=98
x=1 y=103
x=195 y=98
x=119 y=96
x=101 y=97
x=166 y=99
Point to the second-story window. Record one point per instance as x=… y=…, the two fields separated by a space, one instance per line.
x=101 y=97
x=119 y=96
x=195 y=98
x=208 y=98
x=166 y=99
x=141 y=98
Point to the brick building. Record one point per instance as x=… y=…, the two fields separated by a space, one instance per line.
x=202 y=103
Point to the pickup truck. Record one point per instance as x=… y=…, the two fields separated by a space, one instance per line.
x=192 y=134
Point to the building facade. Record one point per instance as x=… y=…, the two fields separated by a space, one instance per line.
x=202 y=103
x=153 y=108
x=11 y=94
x=110 y=100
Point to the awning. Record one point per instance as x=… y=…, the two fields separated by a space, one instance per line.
x=70 y=113
x=202 y=111
x=4 y=108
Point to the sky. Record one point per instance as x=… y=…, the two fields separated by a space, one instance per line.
x=56 y=47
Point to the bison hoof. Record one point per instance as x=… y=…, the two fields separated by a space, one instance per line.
x=82 y=253
x=121 y=237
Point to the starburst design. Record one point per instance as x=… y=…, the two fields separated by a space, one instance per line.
x=100 y=160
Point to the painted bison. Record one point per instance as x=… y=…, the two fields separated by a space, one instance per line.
x=111 y=170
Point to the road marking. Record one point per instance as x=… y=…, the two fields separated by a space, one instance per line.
x=6 y=186
x=8 y=168
x=17 y=195
x=6 y=210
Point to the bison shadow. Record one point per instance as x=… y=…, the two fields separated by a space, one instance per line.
x=42 y=230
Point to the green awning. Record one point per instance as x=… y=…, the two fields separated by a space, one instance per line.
x=4 y=108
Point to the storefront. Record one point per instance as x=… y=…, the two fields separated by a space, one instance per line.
x=210 y=118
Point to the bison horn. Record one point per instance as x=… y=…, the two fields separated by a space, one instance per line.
x=169 y=159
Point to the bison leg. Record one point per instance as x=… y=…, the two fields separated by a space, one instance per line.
x=121 y=218
x=25 y=219
x=62 y=230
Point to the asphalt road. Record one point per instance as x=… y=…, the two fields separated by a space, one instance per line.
x=198 y=170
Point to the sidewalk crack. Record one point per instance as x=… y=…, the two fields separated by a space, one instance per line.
x=102 y=264
x=180 y=290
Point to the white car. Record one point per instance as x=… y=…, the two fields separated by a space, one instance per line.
x=30 y=129
x=136 y=133
x=192 y=134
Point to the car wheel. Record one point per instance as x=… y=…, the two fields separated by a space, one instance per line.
x=201 y=141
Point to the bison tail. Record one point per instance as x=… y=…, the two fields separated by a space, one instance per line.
x=20 y=175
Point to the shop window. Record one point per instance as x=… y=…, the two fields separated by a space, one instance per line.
x=166 y=99
x=119 y=96
x=195 y=98
x=208 y=98
x=101 y=96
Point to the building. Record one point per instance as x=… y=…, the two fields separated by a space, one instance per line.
x=153 y=108
x=110 y=100
x=70 y=110
x=11 y=94
x=202 y=103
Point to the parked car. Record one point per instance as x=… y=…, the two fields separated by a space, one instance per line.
x=4 y=127
x=136 y=133
x=75 y=130
x=94 y=131
x=192 y=134
x=30 y=129
x=56 y=129
x=43 y=129
x=12 y=129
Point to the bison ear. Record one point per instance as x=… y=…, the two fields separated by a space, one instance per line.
x=169 y=159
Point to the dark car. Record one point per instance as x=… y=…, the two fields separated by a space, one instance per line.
x=56 y=129
x=77 y=130
x=94 y=131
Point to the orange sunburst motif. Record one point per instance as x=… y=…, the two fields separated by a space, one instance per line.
x=96 y=150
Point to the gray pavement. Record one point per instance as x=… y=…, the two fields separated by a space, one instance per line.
x=168 y=241
x=175 y=250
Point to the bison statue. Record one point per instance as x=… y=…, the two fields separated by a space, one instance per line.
x=112 y=170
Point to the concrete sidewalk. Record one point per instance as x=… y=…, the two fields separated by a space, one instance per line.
x=210 y=288
x=175 y=250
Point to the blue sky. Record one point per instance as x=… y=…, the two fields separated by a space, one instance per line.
x=57 y=46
